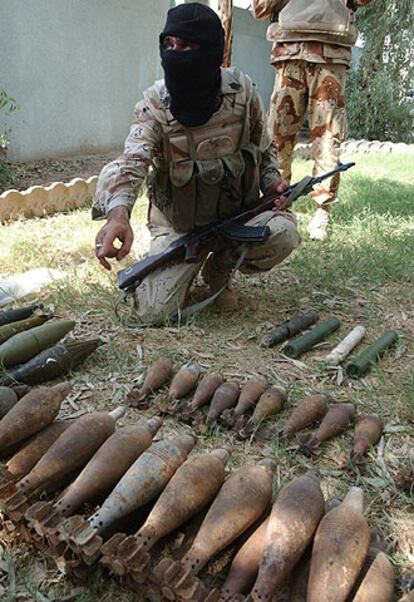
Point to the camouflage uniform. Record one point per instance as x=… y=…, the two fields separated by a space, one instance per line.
x=311 y=61
x=196 y=176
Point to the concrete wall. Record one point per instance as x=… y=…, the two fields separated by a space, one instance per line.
x=76 y=68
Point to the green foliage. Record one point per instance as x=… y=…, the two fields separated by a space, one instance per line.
x=377 y=102
x=8 y=105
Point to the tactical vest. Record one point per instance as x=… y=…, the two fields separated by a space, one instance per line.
x=329 y=21
x=205 y=173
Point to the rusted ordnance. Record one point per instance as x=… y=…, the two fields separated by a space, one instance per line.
x=25 y=345
x=291 y=327
x=305 y=342
x=99 y=476
x=191 y=488
x=368 y=431
x=340 y=547
x=204 y=392
x=357 y=367
x=158 y=374
x=224 y=398
x=9 y=330
x=292 y=524
x=53 y=362
x=183 y=383
x=31 y=414
x=142 y=482
x=312 y=408
x=299 y=577
x=336 y=421
x=378 y=583
x=245 y=565
x=241 y=501
x=270 y=403
x=8 y=399
x=249 y=394
x=75 y=446
x=29 y=455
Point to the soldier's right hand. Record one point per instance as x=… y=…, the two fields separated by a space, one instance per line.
x=116 y=228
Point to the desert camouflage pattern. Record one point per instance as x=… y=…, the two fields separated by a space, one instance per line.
x=320 y=89
x=164 y=292
x=121 y=180
x=312 y=52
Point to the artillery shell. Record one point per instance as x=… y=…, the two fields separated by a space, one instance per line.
x=363 y=362
x=309 y=410
x=299 y=578
x=340 y=546
x=291 y=327
x=21 y=313
x=245 y=565
x=158 y=374
x=292 y=524
x=341 y=351
x=336 y=421
x=25 y=345
x=54 y=362
x=27 y=457
x=108 y=465
x=9 y=330
x=192 y=487
x=8 y=398
x=305 y=342
x=71 y=450
x=240 y=502
x=378 y=584
x=144 y=480
x=31 y=413
x=225 y=397
x=271 y=402
x=368 y=431
x=249 y=394
x=205 y=391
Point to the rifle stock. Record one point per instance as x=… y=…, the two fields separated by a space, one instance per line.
x=193 y=246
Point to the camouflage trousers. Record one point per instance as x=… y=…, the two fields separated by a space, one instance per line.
x=164 y=292
x=319 y=89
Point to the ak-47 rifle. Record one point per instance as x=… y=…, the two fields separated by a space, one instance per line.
x=195 y=245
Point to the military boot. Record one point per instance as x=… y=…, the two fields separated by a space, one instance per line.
x=318 y=226
x=216 y=273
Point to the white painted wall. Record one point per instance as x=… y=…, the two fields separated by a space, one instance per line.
x=76 y=68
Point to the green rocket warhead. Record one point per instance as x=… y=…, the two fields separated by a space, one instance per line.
x=52 y=362
x=9 y=330
x=21 y=313
x=305 y=342
x=25 y=345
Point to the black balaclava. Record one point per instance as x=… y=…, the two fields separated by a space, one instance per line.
x=193 y=77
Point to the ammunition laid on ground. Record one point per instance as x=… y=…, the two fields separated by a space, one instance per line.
x=291 y=327
x=203 y=394
x=335 y=421
x=225 y=397
x=8 y=399
x=249 y=394
x=52 y=362
x=368 y=431
x=9 y=330
x=21 y=313
x=142 y=482
x=158 y=374
x=311 y=409
x=24 y=346
x=344 y=348
x=357 y=367
x=305 y=342
x=183 y=383
x=243 y=498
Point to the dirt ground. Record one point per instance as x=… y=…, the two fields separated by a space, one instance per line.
x=47 y=171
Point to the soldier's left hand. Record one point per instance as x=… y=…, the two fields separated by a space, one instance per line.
x=277 y=187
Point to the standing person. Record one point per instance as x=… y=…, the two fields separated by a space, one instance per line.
x=200 y=138
x=312 y=42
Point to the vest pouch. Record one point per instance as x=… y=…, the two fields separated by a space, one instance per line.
x=251 y=176
x=214 y=148
x=318 y=16
x=209 y=178
x=182 y=193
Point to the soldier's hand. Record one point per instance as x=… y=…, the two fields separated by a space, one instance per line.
x=277 y=187
x=116 y=228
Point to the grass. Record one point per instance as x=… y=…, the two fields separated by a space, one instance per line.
x=362 y=274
